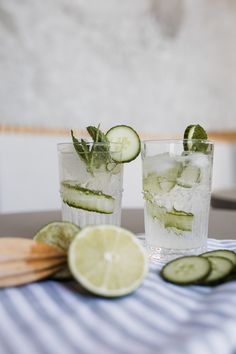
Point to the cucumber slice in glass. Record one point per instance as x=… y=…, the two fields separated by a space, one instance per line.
x=155 y=182
x=176 y=219
x=179 y=220
x=156 y=212
x=87 y=199
x=189 y=177
x=129 y=139
x=186 y=270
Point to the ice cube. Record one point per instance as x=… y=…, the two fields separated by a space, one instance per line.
x=159 y=164
x=199 y=159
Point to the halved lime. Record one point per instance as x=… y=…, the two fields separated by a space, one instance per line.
x=88 y=199
x=129 y=139
x=194 y=136
x=107 y=260
x=60 y=234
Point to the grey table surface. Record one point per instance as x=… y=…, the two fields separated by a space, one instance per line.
x=222 y=223
x=224 y=199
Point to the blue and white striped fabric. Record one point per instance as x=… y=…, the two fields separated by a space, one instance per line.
x=59 y=318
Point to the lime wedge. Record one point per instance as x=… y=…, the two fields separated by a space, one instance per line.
x=107 y=260
x=194 y=134
x=88 y=199
x=59 y=234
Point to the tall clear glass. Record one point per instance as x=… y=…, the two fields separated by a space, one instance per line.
x=90 y=187
x=176 y=190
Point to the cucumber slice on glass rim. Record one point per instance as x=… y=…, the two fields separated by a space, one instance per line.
x=129 y=139
x=194 y=137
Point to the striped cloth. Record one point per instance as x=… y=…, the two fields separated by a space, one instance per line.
x=59 y=318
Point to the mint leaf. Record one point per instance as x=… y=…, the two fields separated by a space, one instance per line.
x=97 y=135
x=99 y=154
x=80 y=147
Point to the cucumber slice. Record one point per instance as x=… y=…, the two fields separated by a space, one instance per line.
x=189 y=176
x=82 y=198
x=230 y=255
x=220 y=269
x=194 y=136
x=156 y=211
x=186 y=270
x=179 y=220
x=129 y=139
x=176 y=219
x=161 y=182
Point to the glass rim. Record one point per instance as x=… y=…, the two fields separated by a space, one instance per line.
x=176 y=141
x=113 y=147
x=90 y=143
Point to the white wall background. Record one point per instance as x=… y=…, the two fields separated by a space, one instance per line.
x=155 y=64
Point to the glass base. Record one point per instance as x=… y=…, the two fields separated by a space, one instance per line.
x=159 y=254
x=83 y=218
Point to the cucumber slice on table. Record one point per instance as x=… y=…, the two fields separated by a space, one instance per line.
x=186 y=270
x=129 y=139
x=230 y=255
x=220 y=269
x=82 y=198
x=189 y=176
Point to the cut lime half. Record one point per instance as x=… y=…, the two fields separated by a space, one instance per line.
x=60 y=234
x=107 y=260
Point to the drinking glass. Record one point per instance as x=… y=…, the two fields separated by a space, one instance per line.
x=90 y=186
x=176 y=188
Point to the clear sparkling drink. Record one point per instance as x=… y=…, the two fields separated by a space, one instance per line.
x=176 y=189
x=91 y=191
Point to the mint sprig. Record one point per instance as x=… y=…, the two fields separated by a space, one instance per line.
x=98 y=154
